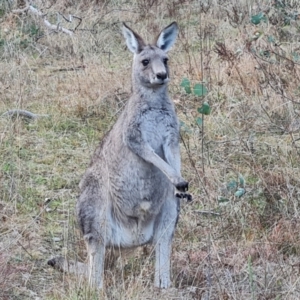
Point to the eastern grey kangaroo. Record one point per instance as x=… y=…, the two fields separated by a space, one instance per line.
x=128 y=193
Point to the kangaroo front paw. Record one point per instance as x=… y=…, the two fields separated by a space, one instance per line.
x=57 y=263
x=186 y=196
x=182 y=186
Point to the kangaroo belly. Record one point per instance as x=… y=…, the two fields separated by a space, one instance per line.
x=140 y=199
x=132 y=234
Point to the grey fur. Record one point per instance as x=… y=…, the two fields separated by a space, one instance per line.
x=128 y=192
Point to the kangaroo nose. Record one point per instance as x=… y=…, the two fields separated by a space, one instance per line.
x=161 y=76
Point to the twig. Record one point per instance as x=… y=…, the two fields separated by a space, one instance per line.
x=69 y=69
x=71 y=19
x=279 y=90
x=207 y=212
x=24 y=249
x=23 y=113
x=38 y=13
x=193 y=163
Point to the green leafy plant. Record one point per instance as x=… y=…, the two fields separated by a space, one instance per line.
x=204 y=109
x=185 y=83
x=184 y=127
x=235 y=188
x=199 y=90
x=256 y=19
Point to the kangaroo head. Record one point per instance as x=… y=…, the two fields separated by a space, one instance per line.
x=150 y=63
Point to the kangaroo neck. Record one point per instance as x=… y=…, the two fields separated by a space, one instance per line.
x=152 y=95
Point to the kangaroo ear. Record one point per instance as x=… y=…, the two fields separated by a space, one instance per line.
x=134 y=42
x=167 y=37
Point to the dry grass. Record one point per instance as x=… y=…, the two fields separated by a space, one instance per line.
x=225 y=247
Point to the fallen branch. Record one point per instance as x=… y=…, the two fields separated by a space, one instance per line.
x=38 y=13
x=71 y=19
x=23 y=113
x=207 y=212
x=70 y=69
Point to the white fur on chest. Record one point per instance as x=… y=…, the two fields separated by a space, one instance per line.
x=157 y=125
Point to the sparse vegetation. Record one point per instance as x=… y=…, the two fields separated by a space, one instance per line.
x=235 y=82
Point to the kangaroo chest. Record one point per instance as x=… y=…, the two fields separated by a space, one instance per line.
x=157 y=126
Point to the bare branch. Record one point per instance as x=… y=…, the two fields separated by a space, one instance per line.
x=38 y=13
x=23 y=113
x=207 y=212
x=70 y=69
x=21 y=10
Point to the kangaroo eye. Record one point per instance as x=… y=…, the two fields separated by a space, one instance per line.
x=166 y=60
x=145 y=62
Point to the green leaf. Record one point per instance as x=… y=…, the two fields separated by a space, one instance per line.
x=199 y=121
x=185 y=83
x=279 y=4
x=200 y=90
x=222 y=200
x=296 y=56
x=271 y=39
x=240 y=192
x=204 y=109
x=265 y=53
x=33 y=30
x=7 y=167
x=232 y=185
x=241 y=180
x=184 y=127
x=256 y=19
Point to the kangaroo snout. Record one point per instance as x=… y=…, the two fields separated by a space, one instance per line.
x=161 y=76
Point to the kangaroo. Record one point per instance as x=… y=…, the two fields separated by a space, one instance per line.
x=128 y=193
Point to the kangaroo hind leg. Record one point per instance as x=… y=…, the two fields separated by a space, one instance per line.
x=96 y=256
x=163 y=236
x=91 y=213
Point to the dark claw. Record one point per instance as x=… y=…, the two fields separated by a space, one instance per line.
x=56 y=262
x=182 y=186
x=51 y=262
x=188 y=197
